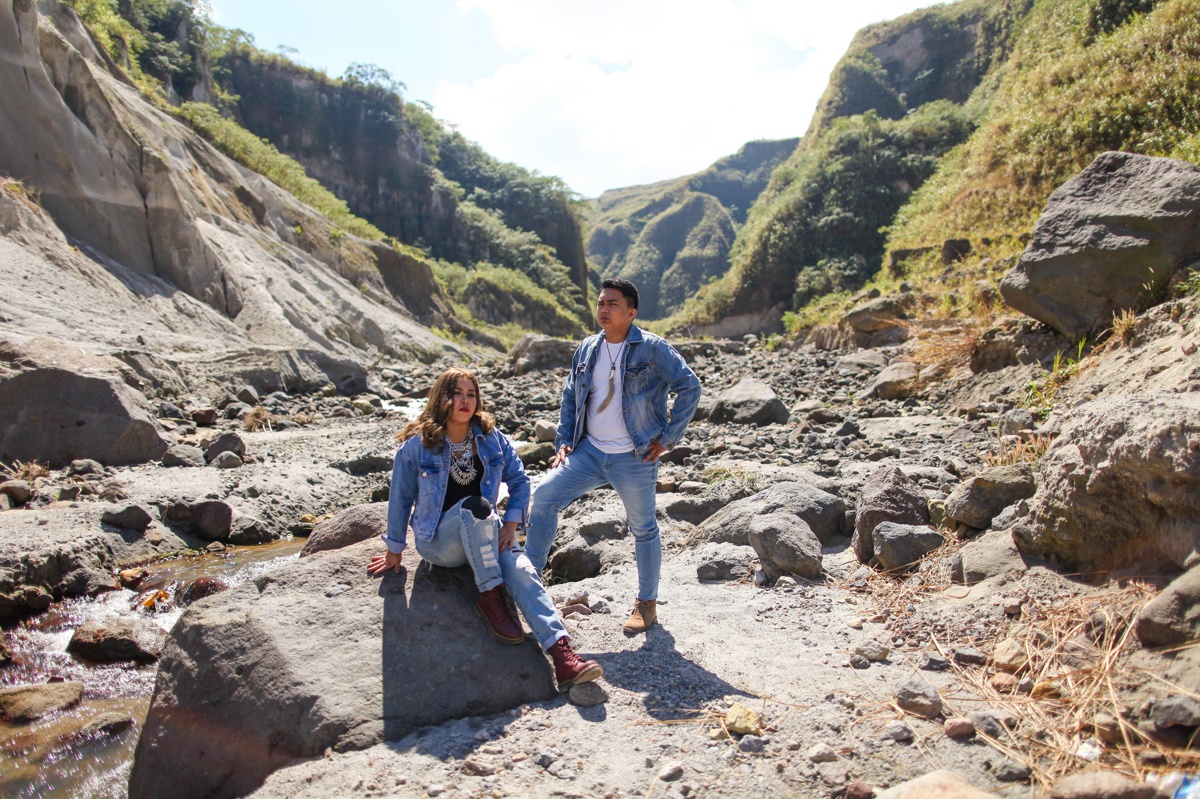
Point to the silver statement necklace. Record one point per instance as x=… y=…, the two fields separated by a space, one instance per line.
x=462 y=462
x=612 y=373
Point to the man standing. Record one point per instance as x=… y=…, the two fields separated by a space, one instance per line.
x=612 y=428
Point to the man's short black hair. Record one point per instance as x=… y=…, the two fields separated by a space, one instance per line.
x=625 y=287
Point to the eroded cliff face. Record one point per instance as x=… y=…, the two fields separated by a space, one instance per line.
x=354 y=141
x=149 y=240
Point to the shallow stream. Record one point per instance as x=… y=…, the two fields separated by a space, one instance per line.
x=49 y=758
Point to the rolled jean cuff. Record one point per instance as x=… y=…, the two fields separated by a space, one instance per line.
x=393 y=545
x=554 y=636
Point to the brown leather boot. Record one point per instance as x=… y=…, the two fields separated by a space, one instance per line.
x=569 y=668
x=645 y=613
x=492 y=606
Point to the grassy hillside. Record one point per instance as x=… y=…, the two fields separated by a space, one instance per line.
x=1087 y=76
x=673 y=237
x=896 y=103
x=1045 y=87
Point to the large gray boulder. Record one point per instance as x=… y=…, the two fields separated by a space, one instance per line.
x=899 y=545
x=316 y=656
x=785 y=544
x=535 y=353
x=992 y=554
x=1172 y=617
x=977 y=500
x=1125 y=222
x=888 y=496
x=750 y=401
x=821 y=511
x=55 y=416
x=359 y=523
x=1120 y=487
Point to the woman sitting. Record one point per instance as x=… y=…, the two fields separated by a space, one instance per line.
x=445 y=481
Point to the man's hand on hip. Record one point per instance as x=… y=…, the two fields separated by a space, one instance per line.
x=654 y=452
x=560 y=457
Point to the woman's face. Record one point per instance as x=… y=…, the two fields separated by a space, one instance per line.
x=463 y=401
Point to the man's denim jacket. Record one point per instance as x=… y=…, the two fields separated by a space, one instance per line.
x=652 y=369
x=420 y=476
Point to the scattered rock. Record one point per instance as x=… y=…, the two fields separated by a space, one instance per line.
x=887 y=496
x=587 y=694
x=1101 y=785
x=1172 y=617
x=131 y=517
x=21 y=704
x=358 y=523
x=958 y=728
x=183 y=455
x=226 y=442
x=750 y=401
x=18 y=490
x=1119 y=487
x=919 y=697
x=741 y=720
x=936 y=785
x=897 y=546
x=785 y=545
x=980 y=498
x=118 y=639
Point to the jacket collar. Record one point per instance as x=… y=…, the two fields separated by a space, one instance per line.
x=633 y=337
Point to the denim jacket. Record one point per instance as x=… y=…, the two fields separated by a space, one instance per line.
x=420 y=476
x=652 y=369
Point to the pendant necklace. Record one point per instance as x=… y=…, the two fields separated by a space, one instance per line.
x=462 y=462
x=612 y=374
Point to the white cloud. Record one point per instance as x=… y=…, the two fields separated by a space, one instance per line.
x=617 y=93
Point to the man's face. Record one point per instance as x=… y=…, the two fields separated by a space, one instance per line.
x=613 y=312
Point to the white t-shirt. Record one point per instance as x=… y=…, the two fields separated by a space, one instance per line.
x=606 y=429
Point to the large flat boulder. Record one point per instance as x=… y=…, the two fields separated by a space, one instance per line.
x=750 y=401
x=1125 y=221
x=1120 y=487
x=888 y=495
x=821 y=511
x=316 y=656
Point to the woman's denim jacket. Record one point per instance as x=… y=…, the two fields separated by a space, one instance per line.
x=420 y=475
x=652 y=369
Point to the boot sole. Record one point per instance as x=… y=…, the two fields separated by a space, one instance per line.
x=636 y=630
x=587 y=675
x=501 y=638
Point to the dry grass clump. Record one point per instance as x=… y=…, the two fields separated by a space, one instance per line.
x=24 y=470
x=946 y=348
x=1080 y=673
x=259 y=418
x=1024 y=449
x=19 y=191
x=1079 y=663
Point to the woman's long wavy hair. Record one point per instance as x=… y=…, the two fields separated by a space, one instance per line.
x=431 y=424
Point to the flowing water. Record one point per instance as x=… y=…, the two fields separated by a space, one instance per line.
x=50 y=758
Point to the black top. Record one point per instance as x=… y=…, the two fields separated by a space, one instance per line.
x=456 y=492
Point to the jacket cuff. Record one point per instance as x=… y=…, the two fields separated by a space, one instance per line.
x=392 y=544
x=515 y=515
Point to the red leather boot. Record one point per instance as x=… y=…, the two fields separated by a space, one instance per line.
x=492 y=606
x=569 y=668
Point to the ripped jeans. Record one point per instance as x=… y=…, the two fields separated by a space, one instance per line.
x=461 y=539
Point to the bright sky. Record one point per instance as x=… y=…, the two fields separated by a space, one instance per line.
x=602 y=94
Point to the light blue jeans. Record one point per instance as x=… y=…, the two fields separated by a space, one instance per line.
x=460 y=539
x=585 y=469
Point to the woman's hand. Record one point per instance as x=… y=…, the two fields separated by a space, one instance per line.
x=508 y=535
x=381 y=563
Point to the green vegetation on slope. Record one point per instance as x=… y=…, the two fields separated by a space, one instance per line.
x=673 y=237
x=816 y=228
x=261 y=156
x=1086 y=77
